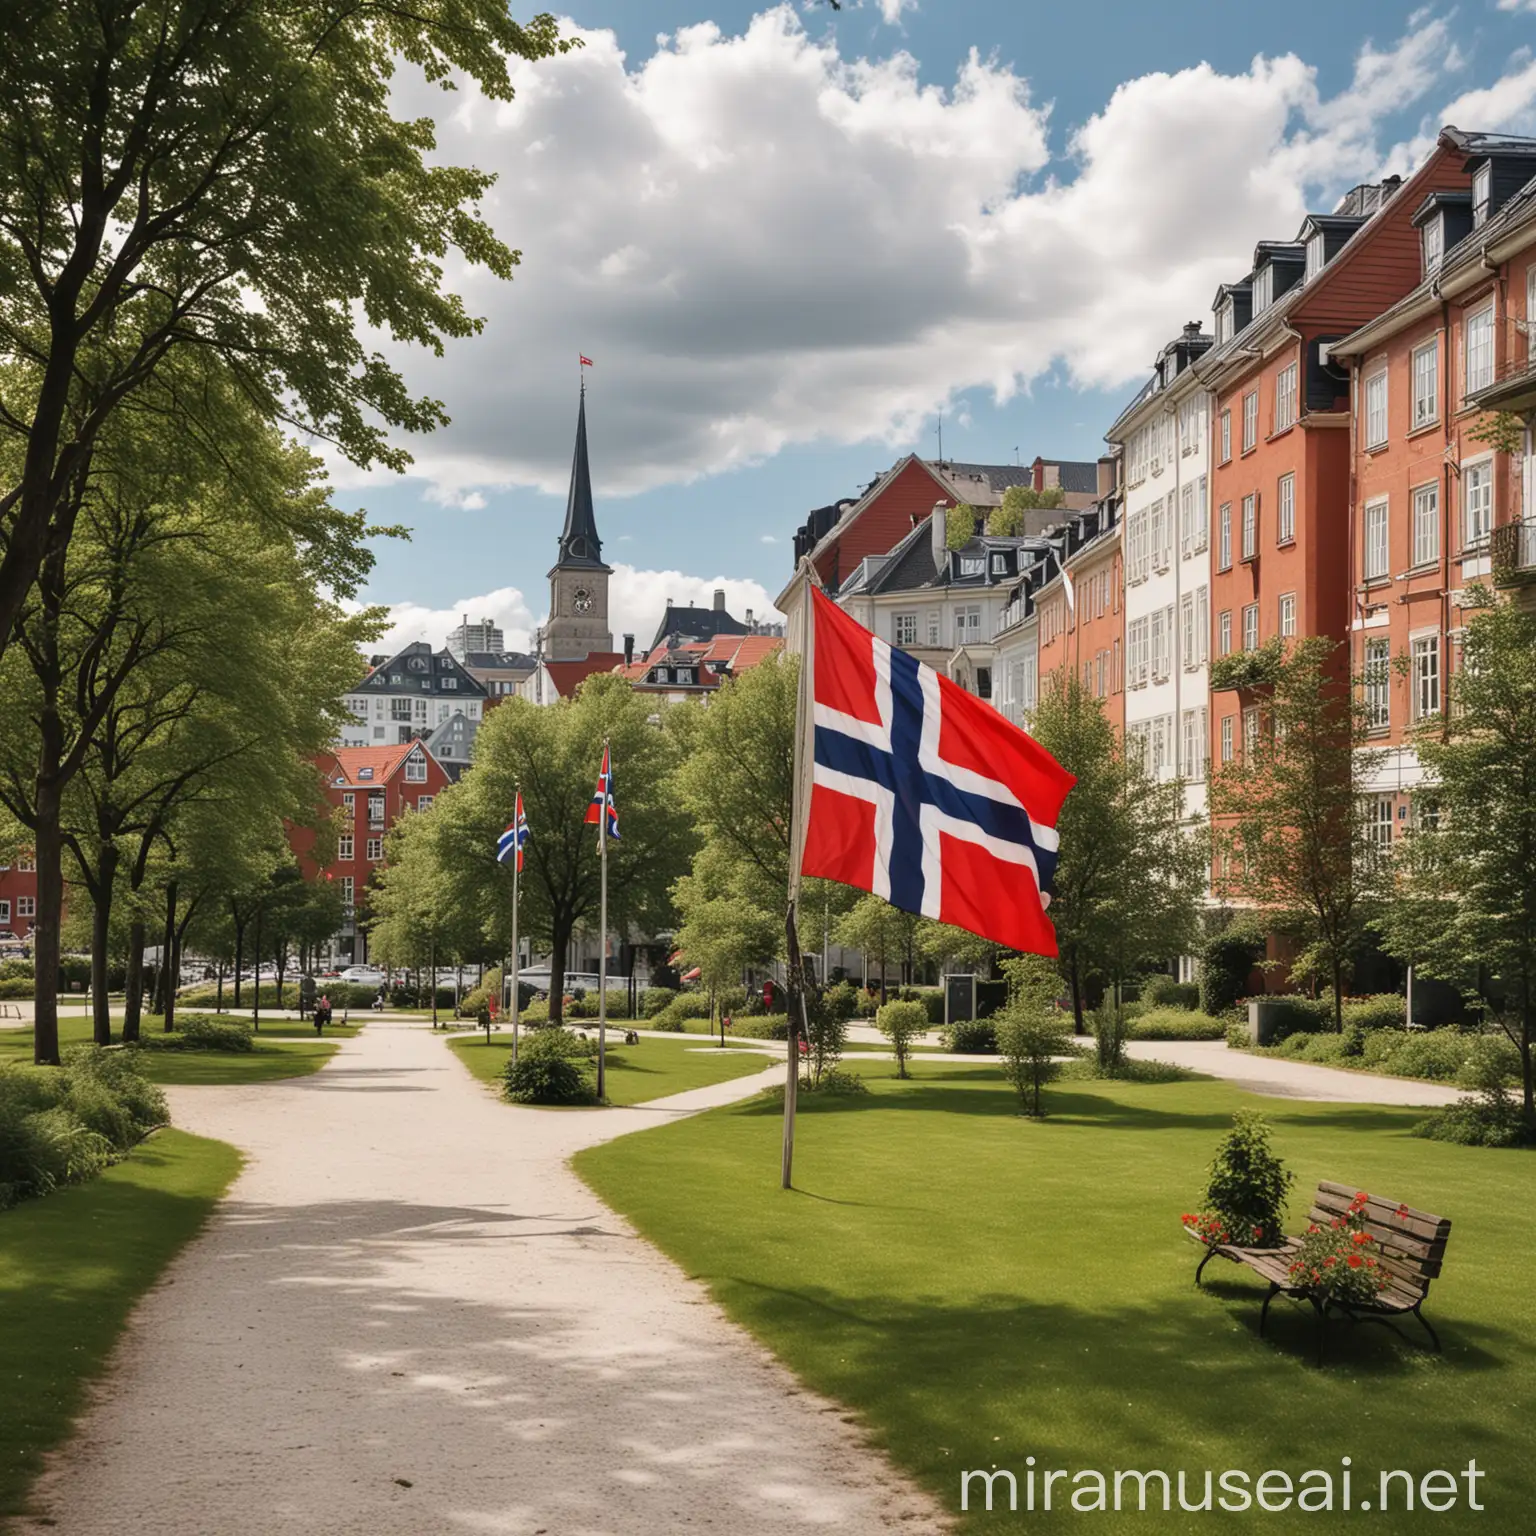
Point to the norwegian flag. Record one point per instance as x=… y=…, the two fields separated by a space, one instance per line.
x=514 y=837
x=924 y=794
x=603 y=797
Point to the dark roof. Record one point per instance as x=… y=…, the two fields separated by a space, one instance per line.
x=696 y=623
x=421 y=671
x=997 y=476
x=579 y=543
x=505 y=660
x=1078 y=477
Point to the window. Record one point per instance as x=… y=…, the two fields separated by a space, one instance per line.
x=1251 y=627
x=400 y=709
x=1378 y=825
x=1376 y=410
x=1263 y=288
x=348 y=801
x=416 y=769
x=972 y=565
x=1226 y=436
x=685 y=674
x=26 y=906
x=424 y=802
x=5 y=911
x=1136 y=652
x=1376 y=561
x=1189 y=426
x=983 y=682
x=1157 y=745
x=935 y=627
x=1285 y=398
x=345 y=849
x=375 y=849
x=1224 y=322
x=1476 y=503
x=1224 y=537
x=1432 y=244
x=1425 y=672
x=1187 y=629
x=1162 y=533
x=1285 y=510
x=1226 y=738
x=1202 y=624
x=1192 y=758
x=1202 y=513
x=968 y=624
x=376 y=808
x=449 y=682
x=1426 y=383
x=1224 y=633
x=1250 y=733
x=999 y=565
x=346 y=889
x=904 y=629
x=1378 y=684
x=1250 y=420
x=378 y=709
x=1482 y=186
x=472 y=709
x=1530 y=309
x=1288 y=614
x=1250 y=527
x=1186 y=517
x=1317 y=256
x=26 y=865
x=1159 y=646
x=443 y=711
x=1426 y=524
x=378 y=733
x=1479 y=350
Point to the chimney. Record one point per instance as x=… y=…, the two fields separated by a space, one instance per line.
x=1038 y=467
x=629 y=650
x=1106 y=478
x=719 y=599
x=750 y=626
x=938 y=526
x=1192 y=329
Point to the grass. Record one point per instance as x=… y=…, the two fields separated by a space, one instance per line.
x=635 y=1074
x=282 y=1050
x=71 y=1268
x=979 y=1288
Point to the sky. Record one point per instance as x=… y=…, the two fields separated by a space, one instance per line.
x=795 y=242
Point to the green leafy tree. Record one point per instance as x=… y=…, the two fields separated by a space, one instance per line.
x=1008 y=520
x=1291 y=813
x=903 y=1025
x=1131 y=874
x=220 y=186
x=1464 y=908
x=884 y=933
x=1032 y=1033
x=960 y=525
x=722 y=936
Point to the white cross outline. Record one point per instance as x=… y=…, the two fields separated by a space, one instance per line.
x=931 y=820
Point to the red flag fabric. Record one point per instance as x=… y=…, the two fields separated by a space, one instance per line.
x=586 y=362
x=923 y=793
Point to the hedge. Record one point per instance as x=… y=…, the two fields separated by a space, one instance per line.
x=1176 y=1024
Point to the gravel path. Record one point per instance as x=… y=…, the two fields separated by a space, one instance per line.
x=409 y=1316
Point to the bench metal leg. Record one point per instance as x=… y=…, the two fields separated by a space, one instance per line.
x=1322 y=1324
x=1210 y=1253
x=1434 y=1337
x=1274 y=1290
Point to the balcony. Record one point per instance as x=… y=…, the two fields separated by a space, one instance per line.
x=1514 y=374
x=1513 y=551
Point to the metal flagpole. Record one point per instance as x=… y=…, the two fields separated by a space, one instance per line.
x=602 y=923
x=517 y=860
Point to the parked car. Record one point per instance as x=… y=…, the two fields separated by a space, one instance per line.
x=362 y=976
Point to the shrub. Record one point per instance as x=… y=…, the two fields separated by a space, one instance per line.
x=585 y=1007
x=1493 y=1118
x=901 y=1023
x=842 y=1000
x=17 y=987
x=1491 y=1060
x=763 y=1026
x=1435 y=1054
x=1384 y=1010
x=535 y=1012
x=1238 y=1037
x=476 y=999
x=1110 y=1030
x=551 y=1068
x=199 y=1032
x=932 y=999
x=15 y=967
x=1245 y=1195
x=1165 y=992
x=839 y=1083
x=972 y=1037
x=1225 y=961
x=1175 y=1024
x=990 y=996
x=654 y=999
x=1295 y=1015
x=675 y=1016
x=732 y=1000
x=1030 y=1042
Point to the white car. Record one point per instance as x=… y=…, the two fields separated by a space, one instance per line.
x=362 y=976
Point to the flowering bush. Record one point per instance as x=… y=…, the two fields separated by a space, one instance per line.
x=1245 y=1198
x=1212 y=1228
x=1339 y=1262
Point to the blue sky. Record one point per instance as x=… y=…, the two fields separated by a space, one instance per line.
x=811 y=291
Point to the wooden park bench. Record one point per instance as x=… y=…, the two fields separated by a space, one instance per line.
x=9 y=1011
x=1412 y=1249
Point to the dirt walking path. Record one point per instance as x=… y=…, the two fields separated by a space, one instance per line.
x=410 y=1317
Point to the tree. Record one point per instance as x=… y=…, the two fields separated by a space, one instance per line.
x=1008 y=520
x=723 y=935
x=902 y=1024
x=1130 y=874
x=220 y=185
x=554 y=754
x=882 y=932
x=960 y=525
x=1465 y=907
x=1032 y=1034
x=1291 y=811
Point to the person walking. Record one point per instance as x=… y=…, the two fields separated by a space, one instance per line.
x=322 y=1013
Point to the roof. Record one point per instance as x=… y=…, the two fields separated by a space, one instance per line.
x=696 y=623
x=567 y=676
x=718 y=659
x=419 y=669
x=579 y=543
x=504 y=661
x=372 y=767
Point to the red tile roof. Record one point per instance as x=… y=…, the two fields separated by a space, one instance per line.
x=567 y=676
x=383 y=761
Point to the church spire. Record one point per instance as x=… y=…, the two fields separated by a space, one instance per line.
x=579 y=543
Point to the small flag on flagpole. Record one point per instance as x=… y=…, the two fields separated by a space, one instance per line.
x=586 y=362
x=602 y=800
x=514 y=837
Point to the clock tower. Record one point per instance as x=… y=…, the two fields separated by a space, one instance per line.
x=578 y=580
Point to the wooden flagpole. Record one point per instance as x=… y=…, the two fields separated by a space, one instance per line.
x=517 y=859
x=602 y=923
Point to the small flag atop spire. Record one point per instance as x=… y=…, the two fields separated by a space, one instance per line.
x=586 y=362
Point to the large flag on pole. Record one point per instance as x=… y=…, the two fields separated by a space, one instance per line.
x=514 y=837
x=602 y=800
x=920 y=792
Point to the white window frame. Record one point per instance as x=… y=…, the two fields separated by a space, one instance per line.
x=5 y=909
x=346 y=848
x=373 y=850
x=424 y=802
x=1224 y=632
x=904 y=629
x=1224 y=537
x=1376 y=409
x=1482 y=193
x=1250 y=626
x=1424 y=670
x=1226 y=435
x=1376 y=556
x=26 y=906
x=1317 y=255
x=1250 y=420
x=415 y=769
x=1250 y=733
x=1476 y=502
x=1285 y=509
x=1187 y=649
x=1432 y=244
x=968 y=624
x=1287 y=615
x=1250 y=525
x=1426 y=523
x=1285 y=398
x=1477 y=349
x=1228 y=731
x=1378 y=684
x=1202 y=624
x=1263 y=288
x=1425 y=369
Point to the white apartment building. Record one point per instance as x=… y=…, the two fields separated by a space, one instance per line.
x=408 y=695
x=1165 y=437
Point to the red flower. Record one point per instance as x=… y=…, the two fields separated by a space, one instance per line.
x=1330 y=1261
x=1313 y=1227
x=1355 y=1261
x=1258 y=1232
x=1361 y=1237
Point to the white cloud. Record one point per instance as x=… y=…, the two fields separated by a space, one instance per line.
x=1517 y=5
x=762 y=242
x=769 y=538
x=636 y=601
x=891 y=11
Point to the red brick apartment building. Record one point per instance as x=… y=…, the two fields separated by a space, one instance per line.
x=372 y=788
x=18 y=901
x=1434 y=508
x=1281 y=418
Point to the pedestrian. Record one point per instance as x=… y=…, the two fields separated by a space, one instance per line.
x=378 y=1002
x=322 y=1013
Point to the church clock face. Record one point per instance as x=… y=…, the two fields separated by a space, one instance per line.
x=581 y=600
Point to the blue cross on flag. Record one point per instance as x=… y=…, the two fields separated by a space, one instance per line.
x=602 y=800
x=514 y=837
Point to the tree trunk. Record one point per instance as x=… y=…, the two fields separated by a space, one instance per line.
x=560 y=939
x=133 y=1002
x=48 y=850
x=256 y=982
x=240 y=923
x=1076 y=981
x=101 y=917
x=168 y=972
x=1338 y=997
x=1527 y=1068
x=218 y=1001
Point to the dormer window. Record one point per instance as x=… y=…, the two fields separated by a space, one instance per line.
x=1432 y=240
x=1224 y=322
x=685 y=674
x=999 y=565
x=1263 y=288
x=1482 y=187
x=1317 y=255
x=972 y=565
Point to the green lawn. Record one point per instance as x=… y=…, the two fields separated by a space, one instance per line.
x=71 y=1267
x=980 y=1288
x=282 y=1050
x=636 y=1074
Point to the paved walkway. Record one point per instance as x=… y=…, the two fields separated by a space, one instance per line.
x=410 y=1319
